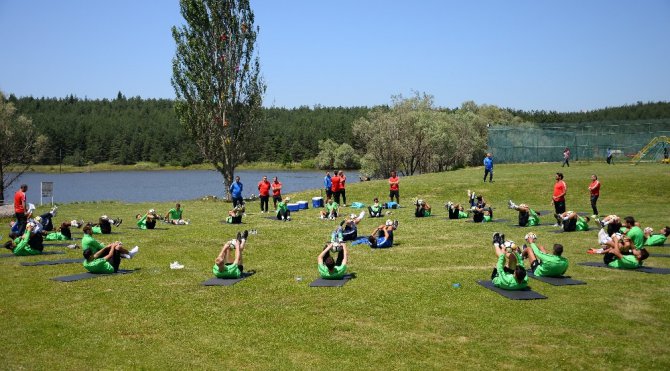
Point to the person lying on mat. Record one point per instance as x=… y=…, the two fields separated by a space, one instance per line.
x=348 y=229
x=62 y=234
x=509 y=273
x=104 y=225
x=235 y=215
x=542 y=263
x=571 y=221
x=224 y=264
x=422 y=209
x=331 y=210
x=633 y=231
x=46 y=220
x=107 y=259
x=175 y=216
x=21 y=245
x=481 y=212
x=527 y=216
x=333 y=269
x=656 y=239
x=456 y=211
x=382 y=236
x=616 y=259
x=148 y=220
x=375 y=209
x=283 y=213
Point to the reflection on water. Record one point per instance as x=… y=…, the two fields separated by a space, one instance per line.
x=138 y=186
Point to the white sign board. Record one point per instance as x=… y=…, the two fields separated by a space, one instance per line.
x=47 y=191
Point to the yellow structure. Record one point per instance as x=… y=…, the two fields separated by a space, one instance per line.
x=652 y=145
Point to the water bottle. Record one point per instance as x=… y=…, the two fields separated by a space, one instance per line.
x=298 y=279
x=456 y=285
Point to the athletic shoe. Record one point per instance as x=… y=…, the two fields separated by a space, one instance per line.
x=134 y=251
x=395 y=224
x=449 y=204
x=288 y=218
x=53 y=210
x=72 y=247
x=496 y=238
x=502 y=238
x=239 y=236
x=511 y=204
x=176 y=265
x=245 y=234
x=187 y=222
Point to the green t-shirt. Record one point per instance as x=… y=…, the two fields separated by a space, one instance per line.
x=426 y=212
x=552 y=265
x=88 y=242
x=533 y=219
x=332 y=207
x=506 y=280
x=281 y=206
x=23 y=248
x=98 y=265
x=581 y=224
x=487 y=218
x=55 y=236
x=636 y=235
x=655 y=240
x=230 y=271
x=175 y=214
x=142 y=222
x=338 y=272
x=96 y=229
x=462 y=215
x=626 y=262
x=376 y=208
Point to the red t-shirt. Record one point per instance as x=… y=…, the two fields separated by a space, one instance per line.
x=276 y=188
x=392 y=180
x=559 y=189
x=594 y=187
x=335 y=184
x=343 y=180
x=263 y=188
x=19 y=200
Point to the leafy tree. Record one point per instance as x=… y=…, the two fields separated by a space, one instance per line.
x=217 y=79
x=21 y=145
x=326 y=157
x=346 y=157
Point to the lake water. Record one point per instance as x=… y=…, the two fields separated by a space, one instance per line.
x=140 y=186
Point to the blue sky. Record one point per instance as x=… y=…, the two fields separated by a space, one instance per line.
x=527 y=54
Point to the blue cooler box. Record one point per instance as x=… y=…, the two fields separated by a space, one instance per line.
x=302 y=205
x=293 y=207
x=317 y=202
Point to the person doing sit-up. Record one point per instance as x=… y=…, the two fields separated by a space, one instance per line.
x=148 y=220
x=481 y=212
x=21 y=245
x=331 y=210
x=527 y=216
x=456 y=211
x=422 y=209
x=571 y=221
x=175 y=216
x=509 y=273
x=348 y=229
x=224 y=265
x=616 y=259
x=656 y=239
x=542 y=263
x=382 y=236
x=329 y=268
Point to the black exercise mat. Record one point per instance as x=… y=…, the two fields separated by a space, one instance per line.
x=138 y=228
x=562 y=231
x=61 y=244
x=660 y=255
x=556 y=281
x=215 y=281
x=644 y=269
x=53 y=262
x=492 y=221
x=526 y=294
x=87 y=275
x=523 y=226
x=322 y=282
x=43 y=253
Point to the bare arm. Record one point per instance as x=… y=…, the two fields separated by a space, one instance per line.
x=319 y=260
x=346 y=254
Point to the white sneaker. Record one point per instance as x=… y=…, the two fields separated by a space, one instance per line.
x=53 y=210
x=176 y=265
x=68 y=246
x=361 y=215
x=511 y=204
x=134 y=251
x=288 y=218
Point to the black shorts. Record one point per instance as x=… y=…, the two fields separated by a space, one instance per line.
x=394 y=193
x=523 y=218
x=570 y=225
x=536 y=263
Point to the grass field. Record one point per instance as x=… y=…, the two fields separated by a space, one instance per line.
x=401 y=312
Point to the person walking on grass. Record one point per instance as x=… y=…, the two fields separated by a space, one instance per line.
x=566 y=157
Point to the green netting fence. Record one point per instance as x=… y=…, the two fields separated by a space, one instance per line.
x=588 y=141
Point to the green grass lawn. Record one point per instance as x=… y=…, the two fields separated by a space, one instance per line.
x=400 y=312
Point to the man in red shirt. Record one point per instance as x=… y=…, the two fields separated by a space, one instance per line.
x=558 y=198
x=264 y=193
x=335 y=187
x=594 y=190
x=395 y=189
x=343 y=190
x=276 y=191
x=20 y=208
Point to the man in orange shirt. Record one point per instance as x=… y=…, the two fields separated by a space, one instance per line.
x=276 y=191
x=395 y=189
x=264 y=193
x=335 y=186
x=594 y=190
x=558 y=198
x=20 y=208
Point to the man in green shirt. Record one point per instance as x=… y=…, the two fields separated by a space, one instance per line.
x=108 y=259
x=634 y=232
x=148 y=220
x=329 y=268
x=571 y=222
x=542 y=263
x=652 y=239
x=527 y=216
x=422 y=209
x=283 y=213
x=224 y=265
x=331 y=210
x=615 y=259
x=509 y=273
x=21 y=245
x=375 y=209
x=175 y=216
x=456 y=211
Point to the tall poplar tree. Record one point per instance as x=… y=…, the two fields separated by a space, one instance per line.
x=216 y=77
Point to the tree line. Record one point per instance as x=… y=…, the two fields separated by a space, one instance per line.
x=129 y=130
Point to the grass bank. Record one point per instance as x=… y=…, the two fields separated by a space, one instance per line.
x=400 y=312
x=152 y=166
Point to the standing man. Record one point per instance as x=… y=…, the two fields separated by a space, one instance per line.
x=558 y=198
x=594 y=190
x=20 y=208
x=343 y=185
x=335 y=186
x=236 y=192
x=609 y=156
x=394 y=182
x=264 y=193
x=276 y=191
x=327 y=184
x=488 y=167
x=566 y=157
